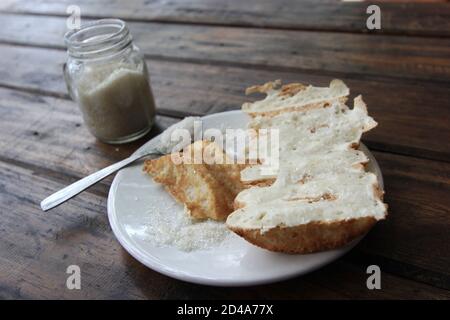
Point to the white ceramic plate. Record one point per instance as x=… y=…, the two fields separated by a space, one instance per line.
x=232 y=263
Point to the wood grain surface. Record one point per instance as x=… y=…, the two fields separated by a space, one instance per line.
x=328 y=15
x=201 y=56
x=293 y=50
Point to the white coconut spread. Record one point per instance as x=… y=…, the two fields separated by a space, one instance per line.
x=316 y=138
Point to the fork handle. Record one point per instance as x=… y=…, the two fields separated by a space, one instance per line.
x=75 y=188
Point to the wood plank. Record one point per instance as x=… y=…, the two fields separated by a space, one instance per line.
x=333 y=54
x=416 y=230
x=397 y=18
x=37 y=247
x=412 y=117
x=414 y=234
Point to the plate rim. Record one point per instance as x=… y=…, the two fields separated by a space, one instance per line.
x=150 y=262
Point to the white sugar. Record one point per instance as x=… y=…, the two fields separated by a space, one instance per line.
x=172 y=227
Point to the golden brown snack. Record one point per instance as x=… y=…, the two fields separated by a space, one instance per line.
x=207 y=190
x=308 y=238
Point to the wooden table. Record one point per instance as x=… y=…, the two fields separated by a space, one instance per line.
x=201 y=56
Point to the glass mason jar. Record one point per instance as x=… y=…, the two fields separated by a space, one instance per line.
x=107 y=76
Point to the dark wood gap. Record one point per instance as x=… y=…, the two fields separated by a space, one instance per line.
x=26 y=45
x=315 y=72
x=177 y=113
x=47 y=93
x=159 y=111
x=401 y=151
x=318 y=72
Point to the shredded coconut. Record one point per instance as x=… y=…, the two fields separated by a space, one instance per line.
x=171 y=227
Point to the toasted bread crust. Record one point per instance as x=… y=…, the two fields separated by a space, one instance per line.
x=308 y=238
x=291 y=89
x=266 y=87
x=207 y=191
x=307 y=107
x=260 y=183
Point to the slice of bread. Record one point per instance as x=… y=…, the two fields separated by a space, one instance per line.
x=323 y=134
x=321 y=213
x=321 y=197
x=207 y=190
